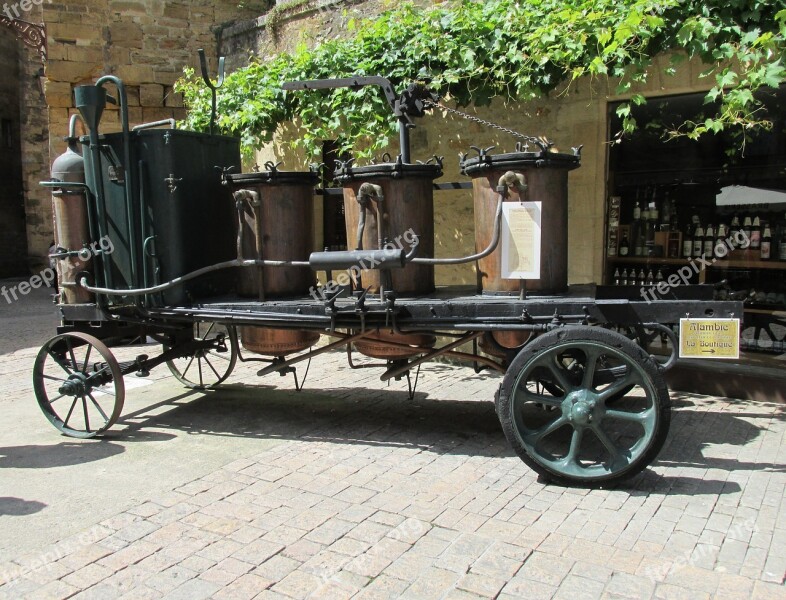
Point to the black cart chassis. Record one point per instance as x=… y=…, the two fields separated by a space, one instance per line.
x=581 y=402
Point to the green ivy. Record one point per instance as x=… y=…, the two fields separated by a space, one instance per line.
x=474 y=51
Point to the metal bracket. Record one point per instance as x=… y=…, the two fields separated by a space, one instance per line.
x=172 y=182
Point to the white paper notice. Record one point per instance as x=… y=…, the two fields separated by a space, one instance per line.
x=521 y=223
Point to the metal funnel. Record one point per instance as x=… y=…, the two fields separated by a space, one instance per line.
x=90 y=101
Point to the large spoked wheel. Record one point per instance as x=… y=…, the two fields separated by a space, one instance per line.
x=584 y=406
x=78 y=385
x=207 y=367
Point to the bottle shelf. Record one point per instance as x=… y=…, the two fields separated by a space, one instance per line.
x=720 y=263
x=748 y=264
x=647 y=260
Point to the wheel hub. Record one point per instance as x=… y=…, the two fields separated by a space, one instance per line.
x=75 y=385
x=580 y=407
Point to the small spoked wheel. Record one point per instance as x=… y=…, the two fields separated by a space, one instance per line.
x=78 y=385
x=210 y=365
x=584 y=406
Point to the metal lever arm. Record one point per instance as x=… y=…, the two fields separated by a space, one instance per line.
x=347 y=82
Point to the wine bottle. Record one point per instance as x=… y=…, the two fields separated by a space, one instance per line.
x=624 y=277
x=687 y=242
x=709 y=242
x=698 y=241
x=721 y=250
x=756 y=234
x=765 y=248
x=617 y=276
x=624 y=245
x=746 y=229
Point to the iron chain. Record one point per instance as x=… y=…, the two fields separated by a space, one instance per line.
x=543 y=144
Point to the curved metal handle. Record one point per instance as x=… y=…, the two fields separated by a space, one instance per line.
x=206 y=75
x=213 y=86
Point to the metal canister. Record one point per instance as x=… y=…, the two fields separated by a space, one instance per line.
x=402 y=209
x=546 y=175
x=71 y=229
x=276 y=215
x=407 y=208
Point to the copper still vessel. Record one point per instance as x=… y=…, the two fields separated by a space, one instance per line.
x=401 y=209
x=545 y=174
x=276 y=213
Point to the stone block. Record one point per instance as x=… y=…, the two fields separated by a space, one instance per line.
x=135 y=74
x=72 y=71
x=174 y=10
x=172 y=98
x=151 y=95
x=71 y=32
x=129 y=8
x=78 y=53
x=126 y=34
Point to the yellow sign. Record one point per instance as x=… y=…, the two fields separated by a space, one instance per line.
x=709 y=338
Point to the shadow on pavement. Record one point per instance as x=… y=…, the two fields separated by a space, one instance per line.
x=387 y=418
x=67 y=454
x=16 y=507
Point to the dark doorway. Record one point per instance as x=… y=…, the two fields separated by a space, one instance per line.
x=13 y=237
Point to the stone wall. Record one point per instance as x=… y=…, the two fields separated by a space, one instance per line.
x=569 y=117
x=146 y=43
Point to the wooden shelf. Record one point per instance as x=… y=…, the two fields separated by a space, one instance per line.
x=647 y=260
x=735 y=263
x=720 y=263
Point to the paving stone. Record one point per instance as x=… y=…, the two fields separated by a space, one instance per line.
x=546 y=568
x=194 y=589
x=298 y=584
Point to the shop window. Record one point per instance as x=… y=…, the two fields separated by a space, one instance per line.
x=717 y=204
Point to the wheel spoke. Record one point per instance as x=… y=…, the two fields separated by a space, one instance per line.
x=98 y=406
x=537 y=435
x=207 y=333
x=624 y=415
x=56 y=399
x=45 y=376
x=97 y=373
x=199 y=364
x=70 y=410
x=575 y=443
x=58 y=361
x=84 y=409
x=541 y=398
x=87 y=358
x=71 y=353
x=630 y=379
x=209 y=364
x=558 y=372
x=188 y=366
x=618 y=455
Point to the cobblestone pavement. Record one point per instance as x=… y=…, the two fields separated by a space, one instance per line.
x=348 y=489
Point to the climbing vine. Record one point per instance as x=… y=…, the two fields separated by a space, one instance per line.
x=472 y=51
